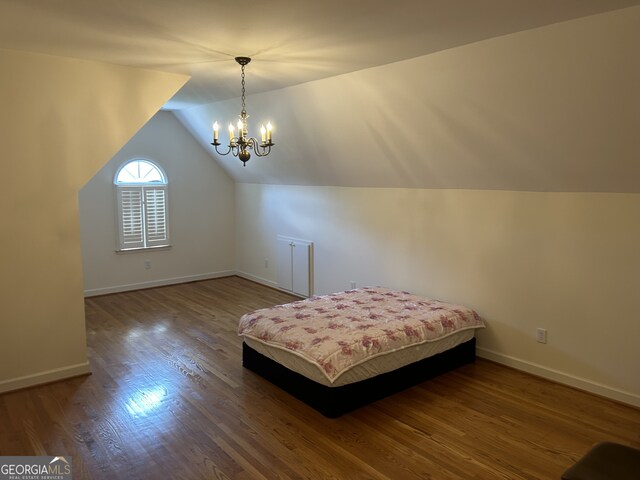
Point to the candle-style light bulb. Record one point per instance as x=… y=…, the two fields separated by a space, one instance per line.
x=240 y=129
x=269 y=128
x=231 y=133
x=215 y=131
x=263 y=132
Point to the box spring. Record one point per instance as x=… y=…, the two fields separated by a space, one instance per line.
x=336 y=401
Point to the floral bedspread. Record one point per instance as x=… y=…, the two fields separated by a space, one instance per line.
x=339 y=331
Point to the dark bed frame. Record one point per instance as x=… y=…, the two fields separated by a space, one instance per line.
x=335 y=401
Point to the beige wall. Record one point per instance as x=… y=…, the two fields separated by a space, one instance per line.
x=62 y=120
x=567 y=262
x=201 y=215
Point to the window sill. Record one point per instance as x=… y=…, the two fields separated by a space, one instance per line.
x=143 y=249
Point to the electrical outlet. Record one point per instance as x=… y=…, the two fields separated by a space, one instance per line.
x=266 y=263
x=541 y=335
x=147 y=264
x=353 y=284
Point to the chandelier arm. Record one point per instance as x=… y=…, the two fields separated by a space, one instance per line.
x=219 y=152
x=264 y=153
x=232 y=149
x=261 y=149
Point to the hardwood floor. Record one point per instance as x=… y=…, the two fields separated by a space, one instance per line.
x=169 y=398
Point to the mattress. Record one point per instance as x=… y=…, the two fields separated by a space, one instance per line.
x=346 y=337
x=368 y=369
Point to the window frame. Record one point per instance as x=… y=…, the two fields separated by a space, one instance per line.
x=145 y=191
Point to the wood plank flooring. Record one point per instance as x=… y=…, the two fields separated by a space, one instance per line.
x=169 y=398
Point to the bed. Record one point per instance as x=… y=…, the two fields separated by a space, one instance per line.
x=341 y=351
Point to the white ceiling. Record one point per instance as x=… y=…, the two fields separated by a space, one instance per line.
x=291 y=41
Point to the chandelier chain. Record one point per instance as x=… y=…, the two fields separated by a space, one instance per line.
x=244 y=109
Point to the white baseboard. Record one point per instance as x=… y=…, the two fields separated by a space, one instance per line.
x=157 y=283
x=255 y=278
x=560 y=377
x=45 y=377
x=268 y=283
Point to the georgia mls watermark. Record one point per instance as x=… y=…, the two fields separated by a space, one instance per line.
x=35 y=468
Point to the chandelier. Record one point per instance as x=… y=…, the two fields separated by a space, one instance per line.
x=240 y=147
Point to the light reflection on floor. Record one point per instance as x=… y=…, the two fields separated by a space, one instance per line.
x=148 y=395
x=144 y=402
x=158 y=327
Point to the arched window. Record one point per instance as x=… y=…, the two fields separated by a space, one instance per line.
x=140 y=171
x=141 y=196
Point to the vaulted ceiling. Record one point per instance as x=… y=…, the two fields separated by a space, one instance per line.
x=477 y=94
x=291 y=41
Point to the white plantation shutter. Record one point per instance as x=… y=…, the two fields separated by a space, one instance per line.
x=130 y=217
x=155 y=199
x=141 y=188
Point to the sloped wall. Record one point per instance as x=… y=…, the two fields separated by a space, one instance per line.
x=62 y=120
x=549 y=109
